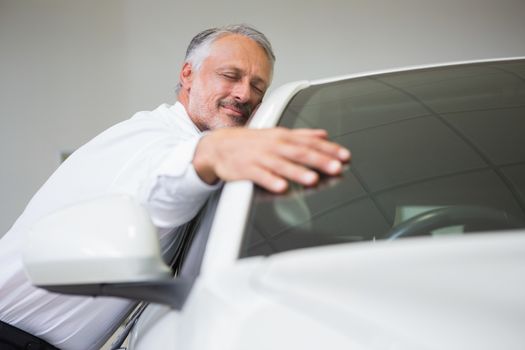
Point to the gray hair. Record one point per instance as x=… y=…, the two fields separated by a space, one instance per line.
x=200 y=45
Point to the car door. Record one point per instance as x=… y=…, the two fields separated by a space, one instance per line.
x=154 y=327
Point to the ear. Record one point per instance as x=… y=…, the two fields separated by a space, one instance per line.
x=186 y=76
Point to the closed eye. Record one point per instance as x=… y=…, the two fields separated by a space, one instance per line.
x=258 y=89
x=230 y=76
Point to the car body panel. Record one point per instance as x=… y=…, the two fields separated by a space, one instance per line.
x=410 y=68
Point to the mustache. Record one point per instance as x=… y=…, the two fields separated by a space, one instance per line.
x=245 y=108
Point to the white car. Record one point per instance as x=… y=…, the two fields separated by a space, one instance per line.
x=420 y=244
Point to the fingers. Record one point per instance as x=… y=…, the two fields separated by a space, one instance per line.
x=296 y=152
x=311 y=149
x=320 y=133
x=330 y=148
x=266 y=179
x=310 y=157
x=272 y=175
x=285 y=169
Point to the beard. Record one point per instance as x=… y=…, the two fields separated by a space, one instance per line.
x=208 y=120
x=233 y=120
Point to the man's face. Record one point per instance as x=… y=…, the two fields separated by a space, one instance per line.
x=229 y=85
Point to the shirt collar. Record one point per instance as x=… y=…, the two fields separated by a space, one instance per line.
x=179 y=109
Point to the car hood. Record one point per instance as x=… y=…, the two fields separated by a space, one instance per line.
x=421 y=293
x=459 y=293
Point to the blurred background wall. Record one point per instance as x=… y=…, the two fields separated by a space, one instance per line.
x=70 y=68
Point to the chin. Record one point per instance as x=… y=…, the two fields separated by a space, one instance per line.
x=230 y=121
x=219 y=124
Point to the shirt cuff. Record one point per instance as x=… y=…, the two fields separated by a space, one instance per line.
x=177 y=192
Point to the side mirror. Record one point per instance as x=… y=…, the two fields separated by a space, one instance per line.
x=106 y=246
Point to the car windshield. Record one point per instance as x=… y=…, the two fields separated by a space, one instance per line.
x=435 y=151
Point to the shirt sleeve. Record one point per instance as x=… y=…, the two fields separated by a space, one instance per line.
x=175 y=192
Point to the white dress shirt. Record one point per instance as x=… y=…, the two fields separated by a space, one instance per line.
x=149 y=157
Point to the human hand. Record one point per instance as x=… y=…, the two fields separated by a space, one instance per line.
x=268 y=157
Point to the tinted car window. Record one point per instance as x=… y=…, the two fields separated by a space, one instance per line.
x=435 y=141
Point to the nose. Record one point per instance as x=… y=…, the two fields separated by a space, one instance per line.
x=242 y=91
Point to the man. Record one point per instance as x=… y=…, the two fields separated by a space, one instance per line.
x=170 y=159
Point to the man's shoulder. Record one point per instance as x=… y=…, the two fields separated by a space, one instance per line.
x=159 y=114
x=145 y=127
x=166 y=116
